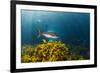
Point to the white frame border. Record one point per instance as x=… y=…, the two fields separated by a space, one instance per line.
x=20 y=65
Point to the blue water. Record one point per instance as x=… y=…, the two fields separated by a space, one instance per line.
x=71 y=27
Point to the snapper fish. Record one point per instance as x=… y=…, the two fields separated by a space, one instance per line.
x=48 y=34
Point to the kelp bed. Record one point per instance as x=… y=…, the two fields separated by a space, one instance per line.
x=48 y=51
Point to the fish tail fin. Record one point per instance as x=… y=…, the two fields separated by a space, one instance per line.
x=39 y=33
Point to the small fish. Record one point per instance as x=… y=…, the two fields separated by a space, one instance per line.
x=48 y=34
